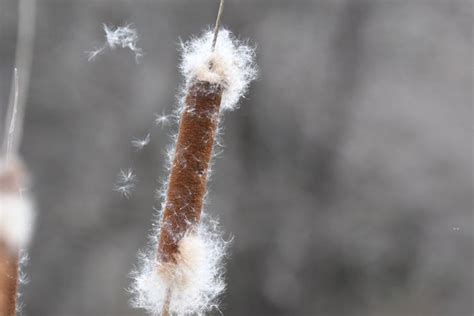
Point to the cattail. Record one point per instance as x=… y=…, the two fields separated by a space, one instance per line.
x=182 y=274
x=8 y=253
x=16 y=210
x=16 y=215
x=188 y=179
x=8 y=281
x=15 y=230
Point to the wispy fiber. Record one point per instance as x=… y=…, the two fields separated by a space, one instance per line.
x=126 y=182
x=121 y=36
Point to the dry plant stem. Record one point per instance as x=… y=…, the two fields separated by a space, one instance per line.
x=11 y=117
x=188 y=179
x=166 y=306
x=8 y=281
x=21 y=77
x=218 y=24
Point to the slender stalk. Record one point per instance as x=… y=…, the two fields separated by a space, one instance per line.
x=218 y=24
x=166 y=306
x=11 y=117
x=21 y=76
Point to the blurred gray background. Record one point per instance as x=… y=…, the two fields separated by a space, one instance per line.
x=347 y=174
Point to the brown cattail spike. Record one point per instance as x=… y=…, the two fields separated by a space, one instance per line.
x=188 y=179
x=183 y=274
x=10 y=181
x=8 y=281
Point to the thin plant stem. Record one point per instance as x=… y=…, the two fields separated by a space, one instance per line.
x=218 y=24
x=21 y=77
x=12 y=117
x=166 y=306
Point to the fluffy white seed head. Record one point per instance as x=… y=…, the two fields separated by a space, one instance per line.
x=126 y=182
x=231 y=64
x=16 y=215
x=162 y=119
x=140 y=143
x=16 y=220
x=122 y=36
x=192 y=284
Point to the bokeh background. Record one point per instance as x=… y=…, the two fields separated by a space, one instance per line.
x=346 y=179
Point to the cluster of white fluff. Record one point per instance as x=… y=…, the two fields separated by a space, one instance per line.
x=126 y=182
x=121 y=36
x=192 y=284
x=231 y=64
x=16 y=218
x=140 y=143
x=22 y=280
x=162 y=119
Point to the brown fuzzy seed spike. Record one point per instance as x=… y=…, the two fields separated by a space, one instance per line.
x=10 y=178
x=8 y=281
x=188 y=179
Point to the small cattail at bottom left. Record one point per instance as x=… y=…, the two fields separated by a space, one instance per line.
x=16 y=216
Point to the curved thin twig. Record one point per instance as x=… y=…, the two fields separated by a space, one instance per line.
x=11 y=116
x=218 y=24
x=21 y=77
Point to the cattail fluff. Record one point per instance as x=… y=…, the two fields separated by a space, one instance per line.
x=183 y=273
x=16 y=217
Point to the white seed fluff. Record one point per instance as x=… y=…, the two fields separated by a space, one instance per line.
x=140 y=143
x=162 y=119
x=231 y=64
x=121 y=36
x=126 y=182
x=194 y=282
x=22 y=280
x=16 y=219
